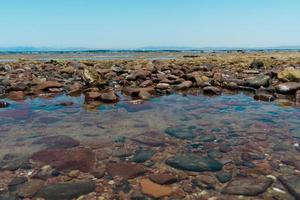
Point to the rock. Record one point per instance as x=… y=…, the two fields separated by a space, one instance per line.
x=194 y=162
x=142 y=156
x=109 y=97
x=210 y=90
x=184 y=85
x=92 y=77
x=93 y=95
x=133 y=92
x=297 y=97
x=292 y=184
x=49 y=84
x=138 y=75
x=57 y=142
x=248 y=186
x=16 y=95
x=66 y=191
x=163 y=86
x=125 y=170
x=155 y=190
x=264 y=96
x=223 y=176
x=181 y=133
x=287 y=88
x=163 y=178
x=16 y=182
x=30 y=188
x=259 y=81
x=148 y=140
x=66 y=159
x=118 y=69
x=4 y=104
x=145 y=94
x=289 y=75
x=8 y=196
x=257 y=64
x=146 y=83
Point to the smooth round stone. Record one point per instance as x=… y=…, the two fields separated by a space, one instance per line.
x=194 y=162
x=223 y=177
x=292 y=184
x=207 y=138
x=15 y=182
x=142 y=156
x=66 y=191
x=214 y=153
x=163 y=178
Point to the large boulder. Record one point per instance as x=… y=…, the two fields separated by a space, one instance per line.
x=289 y=74
x=287 y=88
x=259 y=81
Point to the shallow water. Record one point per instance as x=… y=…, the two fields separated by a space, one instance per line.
x=231 y=118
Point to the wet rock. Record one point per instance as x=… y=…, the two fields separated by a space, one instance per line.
x=248 y=186
x=184 y=85
x=292 y=184
x=223 y=176
x=287 y=88
x=30 y=188
x=66 y=191
x=8 y=197
x=207 y=138
x=149 y=141
x=125 y=170
x=225 y=148
x=210 y=90
x=259 y=81
x=194 y=162
x=137 y=107
x=163 y=178
x=133 y=92
x=4 y=104
x=289 y=74
x=14 y=163
x=142 y=156
x=98 y=173
x=118 y=69
x=155 y=190
x=181 y=133
x=146 y=83
x=57 y=142
x=297 y=97
x=263 y=96
x=16 y=182
x=138 y=75
x=145 y=94
x=16 y=95
x=92 y=77
x=109 y=97
x=92 y=95
x=66 y=159
x=257 y=64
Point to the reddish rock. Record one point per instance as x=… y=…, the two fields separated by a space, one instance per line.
x=184 y=85
x=92 y=95
x=16 y=95
x=163 y=86
x=155 y=190
x=57 y=142
x=163 y=178
x=49 y=84
x=66 y=159
x=125 y=170
x=146 y=83
x=109 y=97
x=134 y=92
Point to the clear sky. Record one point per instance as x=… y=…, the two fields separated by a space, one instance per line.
x=139 y=23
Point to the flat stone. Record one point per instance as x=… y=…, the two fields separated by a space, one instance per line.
x=66 y=191
x=248 y=186
x=292 y=184
x=57 y=142
x=163 y=86
x=194 y=162
x=66 y=159
x=16 y=95
x=181 y=133
x=288 y=87
x=289 y=74
x=125 y=170
x=223 y=177
x=160 y=178
x=259 y=81
x=30 y=188
x=184 y=85
x=109 y=97
x=210 y=90
x=155 y=190
x=142 y=156
x=49 y=84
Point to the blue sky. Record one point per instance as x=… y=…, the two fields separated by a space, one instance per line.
x=139 y=23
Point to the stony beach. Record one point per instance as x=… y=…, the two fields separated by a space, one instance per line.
x=166 y=128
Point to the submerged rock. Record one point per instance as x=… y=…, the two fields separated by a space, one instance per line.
x=194 y=162
x=125 y=170
x=155 y=190
x=66 y=191
x=181 y=133
x=4 y=104
x=210 y=90
x=163 y=178
x=142 y=156
x=57 y=142
x=292 y=184
x=16 y=95
x=66 y=159
x=288 y=88
x=248 y=186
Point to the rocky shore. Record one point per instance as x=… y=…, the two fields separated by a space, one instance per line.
x=183 y=162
